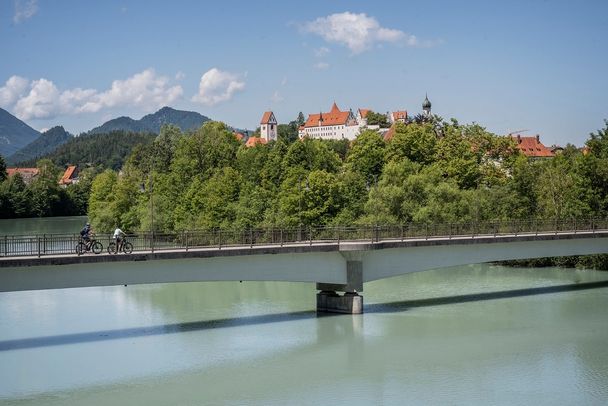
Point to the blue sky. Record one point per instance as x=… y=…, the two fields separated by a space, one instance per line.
x=535 y=65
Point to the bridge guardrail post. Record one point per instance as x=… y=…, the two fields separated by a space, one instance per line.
x=251 y=238
x=219 y=239
x=310 y=231
x=574 y=226
x=39 y=247
x=426 y=227
x=281 y=235
x=186 y=239
x=338 y=235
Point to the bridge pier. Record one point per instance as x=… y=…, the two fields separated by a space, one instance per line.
x=328 y=300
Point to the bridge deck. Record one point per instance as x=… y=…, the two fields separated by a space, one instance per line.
x=325 y=245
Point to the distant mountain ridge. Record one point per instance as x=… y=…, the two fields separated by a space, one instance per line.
x=151 y=123
x=47 y=142
x=14 y=134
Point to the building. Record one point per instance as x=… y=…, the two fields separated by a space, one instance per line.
x=27 y=174
x=70 y=176
x=395 y=116
x=532 y=147
x=426 y=106
x=253 y=141
x=335 y=124
x=362 y=116
x=268 y=126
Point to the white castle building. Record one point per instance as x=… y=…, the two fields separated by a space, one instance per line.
x=268 y=126
x=334 y=124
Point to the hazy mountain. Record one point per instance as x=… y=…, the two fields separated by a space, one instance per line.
x=47 y=142
x=151 y=123
x=14 y=134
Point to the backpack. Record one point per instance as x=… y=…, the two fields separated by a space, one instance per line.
x=83 y=232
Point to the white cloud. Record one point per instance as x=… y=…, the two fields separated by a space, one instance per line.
x=180 y=75
x=145 y=90
x=358 y=32
x=321 y=65
x=217 y=86
x=321 y=52
x=276 y=97
x=14 y=88
x=284 y=81
x=24 y=9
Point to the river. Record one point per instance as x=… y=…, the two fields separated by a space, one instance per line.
x=477 y=334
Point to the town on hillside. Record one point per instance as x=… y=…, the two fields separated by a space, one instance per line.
x=335 y=124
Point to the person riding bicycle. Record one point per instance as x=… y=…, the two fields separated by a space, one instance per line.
x=85 y=233
x=119 y=238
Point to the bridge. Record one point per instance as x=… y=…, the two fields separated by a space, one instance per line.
x=338 y=259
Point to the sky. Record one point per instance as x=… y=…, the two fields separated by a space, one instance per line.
x=538 y=66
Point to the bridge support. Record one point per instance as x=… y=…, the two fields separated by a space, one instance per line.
x=328 y=300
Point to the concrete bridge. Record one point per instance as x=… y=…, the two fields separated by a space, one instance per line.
x=335 y=264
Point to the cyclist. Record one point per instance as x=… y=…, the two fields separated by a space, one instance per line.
x=118 y=237
x=85 y=233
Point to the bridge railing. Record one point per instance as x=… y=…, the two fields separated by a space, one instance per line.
x=58 y=244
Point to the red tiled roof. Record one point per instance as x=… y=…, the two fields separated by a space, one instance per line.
x=390 y=133
x=239 y=136
x=532 y=147
x=253 y=141
x=400 y=115
x=67 y=175
x=363 y=112
x=23 y=171
x=266 y=117
x=334 y=117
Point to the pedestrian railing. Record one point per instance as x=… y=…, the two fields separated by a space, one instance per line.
x=58 y=244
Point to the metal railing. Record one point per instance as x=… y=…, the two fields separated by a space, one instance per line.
x=58 y=244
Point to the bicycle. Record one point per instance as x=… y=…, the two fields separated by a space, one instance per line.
x=91 y=245
x=125 y=247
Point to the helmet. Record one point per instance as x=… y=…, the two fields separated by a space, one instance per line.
x=88 y=224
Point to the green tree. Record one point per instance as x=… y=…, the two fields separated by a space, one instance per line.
x=3 y=174
x=415 y=142
x=379 y=119
x=367 y=155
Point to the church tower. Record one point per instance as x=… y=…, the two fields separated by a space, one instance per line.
x=268 y=126
x=426 y=106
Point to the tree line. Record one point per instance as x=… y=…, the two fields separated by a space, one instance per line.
x=430 y=171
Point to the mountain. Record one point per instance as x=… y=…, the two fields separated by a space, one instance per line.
x=47 y=142
x=107 y=150
x=14 y=133
x=151 y=123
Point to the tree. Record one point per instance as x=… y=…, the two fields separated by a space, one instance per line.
x=379 y=119
x=301 y=120
x=3 y=174
x=414 y=142
x=367 y=155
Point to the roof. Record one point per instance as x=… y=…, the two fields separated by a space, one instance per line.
x=239 y=136
x=390 y=133
x=532 y=147
x=253 y=141
x=68 y=174
x=400 y=115
x=267 y=116
x=333 y=117
x=363 y=112
x=23 y=171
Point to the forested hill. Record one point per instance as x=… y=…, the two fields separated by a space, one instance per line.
x=106 y=150
x=46 y=143
x=151 y=123
x=14 y=133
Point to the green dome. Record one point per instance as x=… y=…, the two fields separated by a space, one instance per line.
x=426 y=104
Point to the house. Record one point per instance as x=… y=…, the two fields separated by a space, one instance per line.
x=70 y=176
x=362 y=116
x=532 y=147
x=334 y=124
x=268 y=126
x=253 y=141
x=27 y=174
x=395 y=116
x=239 y=136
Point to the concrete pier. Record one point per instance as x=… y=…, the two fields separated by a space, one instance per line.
x=328 y=300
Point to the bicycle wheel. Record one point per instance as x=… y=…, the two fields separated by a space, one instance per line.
x=80 y=248
x=127 y=247
x=112 y=248
x=97 y=247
